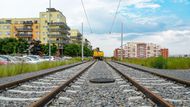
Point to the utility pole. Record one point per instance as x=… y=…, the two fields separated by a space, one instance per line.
x=121 y=41
x=49 y=31
x=82 y=44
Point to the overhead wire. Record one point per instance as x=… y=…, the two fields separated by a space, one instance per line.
x=86 y=16
x=115 y=16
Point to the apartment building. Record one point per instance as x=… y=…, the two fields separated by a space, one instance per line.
x=140 y=50
x=75 y=36
x=51 y=25
x=164 y=52
x=87 y=43
x=5 y=28
x=27 y=28
x=117 y=53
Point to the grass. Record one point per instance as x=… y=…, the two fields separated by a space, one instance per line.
x=162 y=63
x=15 y=69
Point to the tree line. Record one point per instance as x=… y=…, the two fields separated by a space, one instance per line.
x=21 y=46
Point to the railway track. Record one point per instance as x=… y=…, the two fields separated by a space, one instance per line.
x=171 y=91
x=83 y=93
x=32 y=90
x=120 y=86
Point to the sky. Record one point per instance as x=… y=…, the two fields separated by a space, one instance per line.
x=164 y=22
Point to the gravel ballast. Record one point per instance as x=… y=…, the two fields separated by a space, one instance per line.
x=180 y=74
x=176 y=94
x=83 y=93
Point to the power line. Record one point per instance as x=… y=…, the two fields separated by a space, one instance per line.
x=86 y=16
x=113 y=22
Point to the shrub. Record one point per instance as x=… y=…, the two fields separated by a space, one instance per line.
x=160 y=63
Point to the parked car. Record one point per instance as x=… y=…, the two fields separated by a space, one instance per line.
x=66 y=58
x=36 y=57
x=30 y=60
x=3 y=61
x=10 y=59
x=19 y=58
x=47 y=58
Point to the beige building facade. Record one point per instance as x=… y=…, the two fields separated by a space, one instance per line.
x=49 y=27
x=141 y=50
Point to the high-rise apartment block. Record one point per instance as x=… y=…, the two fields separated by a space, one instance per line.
x=140 y=50
x=75 y=36
x=50 y=27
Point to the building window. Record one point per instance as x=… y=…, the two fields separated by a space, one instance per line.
x=58 y=16
x=148 y=48
x=35 y=21
x=44 y=15
x=6 y=27
x=8 y=33
x=37 y=33
x=36 y=27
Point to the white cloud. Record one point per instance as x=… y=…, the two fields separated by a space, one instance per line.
x=178 y=41
x=147 y=5
x=142 y=3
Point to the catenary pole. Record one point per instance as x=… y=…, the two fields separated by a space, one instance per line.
x=82 y=52
x=121 y=41
x=49 y=30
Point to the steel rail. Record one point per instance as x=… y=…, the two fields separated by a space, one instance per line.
x=155 y=98
x=48 y=97
x=187 y=83
x=17 y=82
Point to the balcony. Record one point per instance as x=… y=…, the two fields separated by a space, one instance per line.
x=61 y=30
x=61 y=24
x=28 y=23
x=24 y=29
x=24 y=35
x=58 y=36
x=76 y=37
x=59 y=41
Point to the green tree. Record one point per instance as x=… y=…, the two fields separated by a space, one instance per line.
x=45 y=49
x=22 y=46
x=75 y=50
x=71 y=50
x=8 y=45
